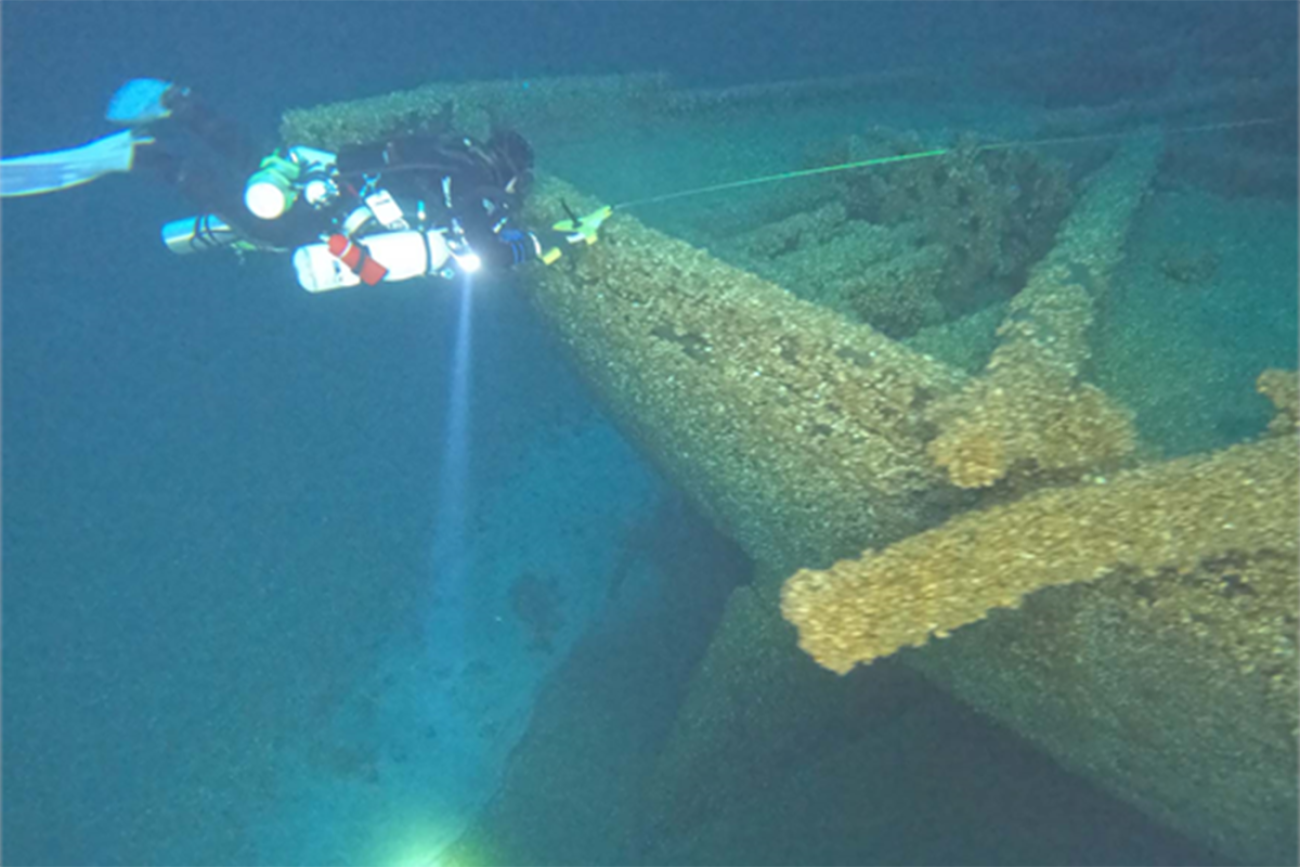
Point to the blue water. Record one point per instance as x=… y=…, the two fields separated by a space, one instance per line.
x=290 y=578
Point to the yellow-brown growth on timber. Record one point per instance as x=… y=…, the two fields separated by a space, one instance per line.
x=1028 y=408
x=1048 y=423
x=1281 y=387
x=799 y=433
x=1169 y=516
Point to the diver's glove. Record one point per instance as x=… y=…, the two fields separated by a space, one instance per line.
x=575 y=230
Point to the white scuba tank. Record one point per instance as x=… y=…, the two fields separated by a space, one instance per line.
x=405 y=254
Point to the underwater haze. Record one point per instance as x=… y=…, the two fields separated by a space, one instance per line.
x=926 y=495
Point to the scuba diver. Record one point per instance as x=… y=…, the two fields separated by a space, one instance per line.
x=436 y=205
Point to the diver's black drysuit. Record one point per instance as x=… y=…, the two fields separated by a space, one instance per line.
x=481 y=186
x=449 y=176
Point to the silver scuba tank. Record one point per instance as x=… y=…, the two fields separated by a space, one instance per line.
x=198 y=234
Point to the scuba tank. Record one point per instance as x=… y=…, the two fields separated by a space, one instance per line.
x=357 y=258
x=281 y=176
x=387 y=256
x=199 y=234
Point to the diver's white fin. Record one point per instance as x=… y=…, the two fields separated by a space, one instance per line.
x=59 y=170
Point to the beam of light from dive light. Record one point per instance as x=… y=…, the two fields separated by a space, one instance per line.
x=451 y=542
